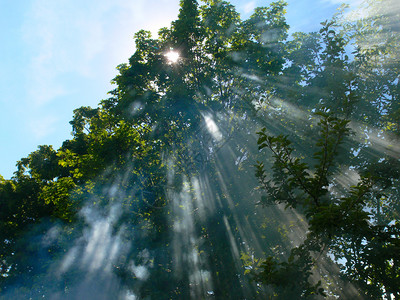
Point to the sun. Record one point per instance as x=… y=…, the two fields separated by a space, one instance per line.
x=172 y=56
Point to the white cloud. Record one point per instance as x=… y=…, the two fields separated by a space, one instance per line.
x=83 y=39
x=249 y=7
x=71 y=49
x=351 y=3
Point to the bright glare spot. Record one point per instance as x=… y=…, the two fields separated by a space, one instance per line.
x=140 y=272
x=172 y=56
x=213 y=128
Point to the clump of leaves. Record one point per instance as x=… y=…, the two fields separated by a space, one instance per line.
x=331 y=216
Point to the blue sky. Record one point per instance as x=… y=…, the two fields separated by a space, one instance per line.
x=58 y=55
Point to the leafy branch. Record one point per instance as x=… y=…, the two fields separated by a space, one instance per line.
x=292 y=173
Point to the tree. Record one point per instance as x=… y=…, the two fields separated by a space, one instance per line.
x=338 y=220
x=155 y=186
x=348 y=232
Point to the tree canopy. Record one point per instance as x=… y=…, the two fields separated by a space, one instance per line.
x=231 y=161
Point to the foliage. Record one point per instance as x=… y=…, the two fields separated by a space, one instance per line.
x=171 y=149
x=333 y=217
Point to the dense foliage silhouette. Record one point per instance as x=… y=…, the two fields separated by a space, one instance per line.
x=155 y=197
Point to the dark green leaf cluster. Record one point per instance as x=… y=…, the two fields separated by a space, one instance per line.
x=331 y=217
